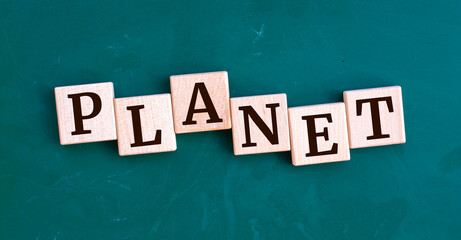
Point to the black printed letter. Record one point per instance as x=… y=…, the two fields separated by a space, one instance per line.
x=312 y=134
x=209 y=107
x=375 y=118
x=78 y=115
x=138 y=142
x=272 y=136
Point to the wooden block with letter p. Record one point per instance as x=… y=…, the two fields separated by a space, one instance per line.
x=375 y=116
x=144 y=124
x=318 y=134
x=85 y=113
x=260 y=124
x=200 y=102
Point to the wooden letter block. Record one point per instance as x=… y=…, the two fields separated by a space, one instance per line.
x=318 y=134
x=260 y=124
x=375 y=117
x=200 y=102
x=85 y=113
x=144 y=124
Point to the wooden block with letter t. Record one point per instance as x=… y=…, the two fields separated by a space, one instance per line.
x=260 y=124
x=144 y=124
x=85 y=113
x=200 y=102
x=375 y=116
x=318 y=134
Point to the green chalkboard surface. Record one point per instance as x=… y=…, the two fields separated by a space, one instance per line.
x=311 y=50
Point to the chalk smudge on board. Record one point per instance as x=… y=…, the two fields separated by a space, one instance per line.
x=120 y=185
x=119 y=219
x=450 y=162
x=256 y=234
x=205 y=221
x=229 y=205
x=259 y=34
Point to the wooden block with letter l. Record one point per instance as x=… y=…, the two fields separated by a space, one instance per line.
x=144 y=124
x=200 y=102
x=85 y=113
x=318 y=134
x=375 y=116
x=260 y=124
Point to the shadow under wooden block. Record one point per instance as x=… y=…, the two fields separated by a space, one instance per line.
x=85 y=113
x=144 y=124
x=260 y=124
x=375 y=117
x=318 y=134
x=200 y=102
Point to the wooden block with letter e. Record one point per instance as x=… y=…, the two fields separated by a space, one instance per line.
x=260 y=124
x=85 y=113
x=318 y=134
x=375 y=116
x=200 y=102
x=144 y=124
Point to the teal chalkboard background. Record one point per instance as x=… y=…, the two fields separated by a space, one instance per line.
x=310 y=50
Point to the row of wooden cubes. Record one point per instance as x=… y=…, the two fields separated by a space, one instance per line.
x=260 y=124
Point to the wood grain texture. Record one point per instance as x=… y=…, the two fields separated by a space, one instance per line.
x=260 y=105
x=335 y=128
x=361 y=121
x=182 y=88
x=156 y=114
x=102 y=126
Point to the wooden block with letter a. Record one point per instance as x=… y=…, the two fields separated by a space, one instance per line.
x=375 y=116
x=200 y=102
x=85 y=113
x=260 y=124
x=144 y=124
x=318 y=134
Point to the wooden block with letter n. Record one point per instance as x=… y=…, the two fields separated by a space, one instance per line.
x=375 y=116
x=144 y=124
x=318 y=134
x=200 y=102
x=260 y=124
x=85 y=113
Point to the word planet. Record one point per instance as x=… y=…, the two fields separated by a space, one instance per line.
x=260 y=124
